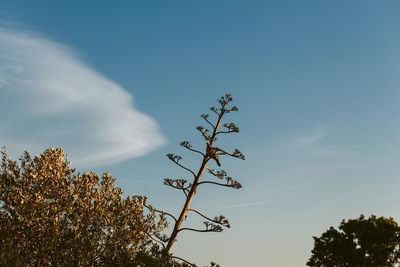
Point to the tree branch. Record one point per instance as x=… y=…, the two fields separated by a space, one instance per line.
x=183 y=167
x=162 y=238
x=205 y=117
x=236 y=153
x=234 y=184
x=232 y=128
x=210 y=227
x=225 y=132
x=219 y=174
x=178 y=184
x=188 y=146
x=185 y=261
x=210 y=182
x=219 y=220
x=175 y=159
x=160 y=211
x=197 y=230
x=205 y=217
x=214 y=109
x=158 y=241
x=204 y=133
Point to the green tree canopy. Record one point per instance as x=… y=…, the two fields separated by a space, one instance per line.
x=49 y=215
x=358 y=242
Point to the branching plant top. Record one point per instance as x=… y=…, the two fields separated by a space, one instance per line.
x=213 y=129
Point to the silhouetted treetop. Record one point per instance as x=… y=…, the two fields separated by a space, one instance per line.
x=358 y=242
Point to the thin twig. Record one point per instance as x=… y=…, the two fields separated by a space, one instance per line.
x=158 y=241
x=183 y=167
x=194 y=150
x=225 y=132
x=197 y=230
x=178 y=258
x=235 y=154
x=205 y=217
x=162 y=212
x=205 y=118
x=210 y=182
x=214 y=109
x=170 y=183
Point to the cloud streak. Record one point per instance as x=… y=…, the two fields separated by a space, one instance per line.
x=318 y=134
x=250 y=204
x=312 y=144
x=48 y=97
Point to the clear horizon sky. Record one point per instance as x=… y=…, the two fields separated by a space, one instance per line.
x=119 y=84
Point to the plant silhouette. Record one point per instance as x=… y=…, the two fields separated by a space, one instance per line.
x=212 y=152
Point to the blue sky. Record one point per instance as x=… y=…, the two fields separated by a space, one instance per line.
x=120 y=85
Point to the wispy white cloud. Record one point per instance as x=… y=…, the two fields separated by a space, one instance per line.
x=48 y=97
x=316 y=135
x=249 y=204
x=312 y=143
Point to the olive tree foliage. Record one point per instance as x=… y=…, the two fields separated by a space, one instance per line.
x=358 y=242
x=52 y=216
x=214 y=128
